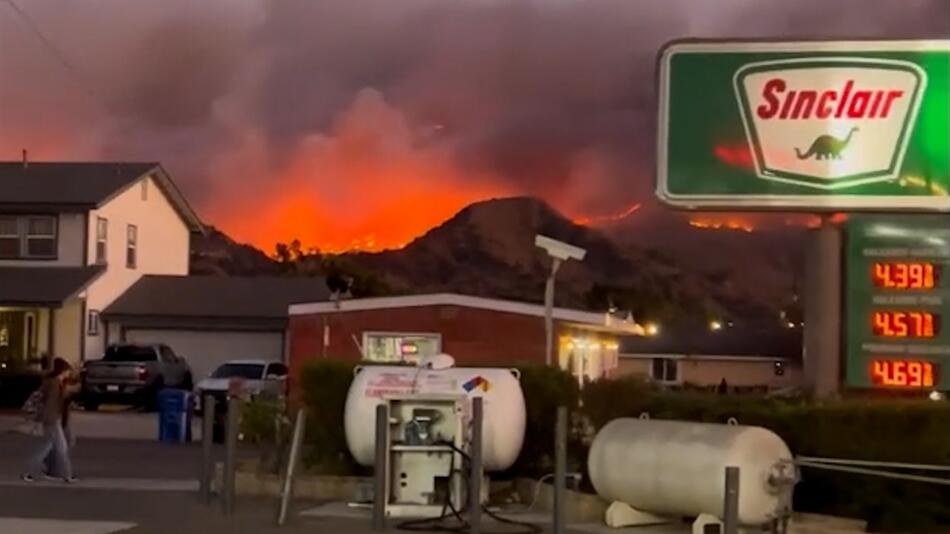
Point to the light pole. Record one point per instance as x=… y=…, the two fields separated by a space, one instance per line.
x=559 y=252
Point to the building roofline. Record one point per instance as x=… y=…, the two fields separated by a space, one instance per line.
x=467 y=301
x=171 y=192
x=704 y=357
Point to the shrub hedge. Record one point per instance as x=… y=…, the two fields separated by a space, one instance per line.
x=913 y=431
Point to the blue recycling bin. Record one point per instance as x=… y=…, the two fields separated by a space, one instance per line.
x=175 y=407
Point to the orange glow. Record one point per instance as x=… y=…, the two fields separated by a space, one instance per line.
x=597 y=220
x=368 y=185
x=722 y=224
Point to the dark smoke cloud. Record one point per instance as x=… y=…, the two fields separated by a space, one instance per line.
x=555 y=97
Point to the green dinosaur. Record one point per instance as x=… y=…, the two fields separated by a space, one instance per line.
x=826 y=147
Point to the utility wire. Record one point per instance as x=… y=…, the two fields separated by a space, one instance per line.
x=54 y=50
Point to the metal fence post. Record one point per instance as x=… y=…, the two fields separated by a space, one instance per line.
x=560 y=468
x=730 y=511
x=207 y=448
x=288 y=487
x=380 y=493
x=230 y=453
x=475 y=477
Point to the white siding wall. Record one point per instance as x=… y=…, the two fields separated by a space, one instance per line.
x=163 y=246
x=67 y=322
x=69 y=243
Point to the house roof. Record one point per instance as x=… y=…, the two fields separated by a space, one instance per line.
x=599 y=321
x=44 y=286
x=215 y=297
x=81 y=185
x=697 y=341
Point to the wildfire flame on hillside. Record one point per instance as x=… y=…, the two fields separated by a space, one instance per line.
x=598 y=220
x=722 y=224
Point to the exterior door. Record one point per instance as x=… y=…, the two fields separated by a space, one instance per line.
x=12 y=338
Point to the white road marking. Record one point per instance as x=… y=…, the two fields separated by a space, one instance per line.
x=127 y=484
x=60 y=526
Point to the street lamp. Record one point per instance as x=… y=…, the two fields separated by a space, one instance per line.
x=559 y=252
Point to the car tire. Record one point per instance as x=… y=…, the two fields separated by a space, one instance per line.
x=90 y=405
x=188 y=383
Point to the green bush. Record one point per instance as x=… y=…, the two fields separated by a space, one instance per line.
x=323 y=388
x=882 y=430
x=545 y=388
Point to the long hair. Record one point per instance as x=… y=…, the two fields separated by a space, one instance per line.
x=59 y=367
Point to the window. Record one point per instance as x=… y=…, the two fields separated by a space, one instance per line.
x=28 y=236
x=144 y=189
x=131 y=242
x=276 y=370
x=9 y=237
x=92 y=323
x=665 y=370
x=398 y=347
x=247 y=371
x=102 y=234
x=168 y=355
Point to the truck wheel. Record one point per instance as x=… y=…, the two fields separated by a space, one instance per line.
x=90 y=405
x=151 y=396
x=187 y=384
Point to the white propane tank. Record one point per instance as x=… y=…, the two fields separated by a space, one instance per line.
x=677 y=468
x=504 y=409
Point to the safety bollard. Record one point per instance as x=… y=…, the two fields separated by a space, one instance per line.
x=230 y=454
x=475 y=477
x=730 y=506
x=560 y=468
x=288 y=486
x=207 y=448
x=380 y=494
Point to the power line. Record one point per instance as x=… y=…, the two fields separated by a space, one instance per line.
x=54 y=50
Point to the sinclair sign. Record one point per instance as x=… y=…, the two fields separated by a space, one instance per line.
x=805 y=125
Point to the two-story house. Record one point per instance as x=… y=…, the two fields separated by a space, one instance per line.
x=73 y=238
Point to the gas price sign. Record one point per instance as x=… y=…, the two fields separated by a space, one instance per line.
x=898 y=302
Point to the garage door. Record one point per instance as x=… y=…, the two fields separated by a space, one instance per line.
x=206 y=350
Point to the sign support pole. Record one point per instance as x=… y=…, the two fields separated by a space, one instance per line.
x=823 y=317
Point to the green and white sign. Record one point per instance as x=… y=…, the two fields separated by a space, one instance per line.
x=815 y=126
x=897 y=302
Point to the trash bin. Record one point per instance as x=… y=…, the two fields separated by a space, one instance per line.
x=174 y=416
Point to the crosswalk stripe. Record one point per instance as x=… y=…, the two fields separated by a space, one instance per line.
x=22 y=525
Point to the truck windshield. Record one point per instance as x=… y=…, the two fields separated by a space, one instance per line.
x=129 y=353
x=249 y=371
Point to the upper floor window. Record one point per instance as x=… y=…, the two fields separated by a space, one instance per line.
x=144 y=189
x=102 y=235
x=28 y=237
x=131 y=246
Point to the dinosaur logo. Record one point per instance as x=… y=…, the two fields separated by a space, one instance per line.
x=857 y=111
x=826 y=147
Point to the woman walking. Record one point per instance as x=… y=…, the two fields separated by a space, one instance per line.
x=52 y=458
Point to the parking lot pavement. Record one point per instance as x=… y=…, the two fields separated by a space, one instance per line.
x=180 y=513
x=111 y=422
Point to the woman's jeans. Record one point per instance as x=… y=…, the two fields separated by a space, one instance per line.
x=53 y=455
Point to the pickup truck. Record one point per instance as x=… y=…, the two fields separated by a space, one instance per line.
x=133 y=374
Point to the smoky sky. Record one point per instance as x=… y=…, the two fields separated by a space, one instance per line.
x=552 y=97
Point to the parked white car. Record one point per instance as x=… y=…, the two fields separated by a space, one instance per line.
x=252 y=377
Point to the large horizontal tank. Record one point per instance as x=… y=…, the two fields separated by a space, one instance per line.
x=678 y=468
x=504 y=409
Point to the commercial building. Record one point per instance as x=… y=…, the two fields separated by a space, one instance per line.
x=476 y=331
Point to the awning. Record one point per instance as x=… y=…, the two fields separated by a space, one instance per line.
x=44 y=286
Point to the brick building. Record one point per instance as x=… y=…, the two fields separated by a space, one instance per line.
x=475 y=331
